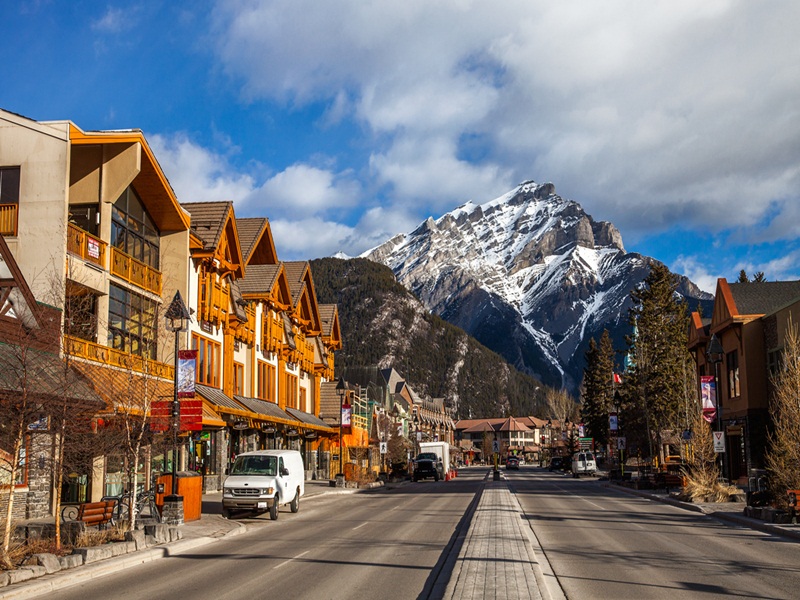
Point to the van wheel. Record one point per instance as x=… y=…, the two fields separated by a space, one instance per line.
x=295 y=504
x=273 y=510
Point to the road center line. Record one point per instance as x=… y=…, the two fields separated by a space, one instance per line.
x=358 y=526
x=286 y=562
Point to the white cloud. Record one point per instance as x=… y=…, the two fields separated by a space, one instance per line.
x=198 y=174
x=696 y=271
x=309 y=238
x=646 y=113
x=115 y=20
x=302 y=190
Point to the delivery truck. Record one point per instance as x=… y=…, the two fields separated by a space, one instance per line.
x=442 y=450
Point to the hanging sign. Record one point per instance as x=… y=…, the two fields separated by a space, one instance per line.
x=347 y=412
x=160 y=415
x=708 y=393
x=187 y=366
x=613 y=422
x=191 y=415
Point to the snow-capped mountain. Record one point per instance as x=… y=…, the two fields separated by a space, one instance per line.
x=529 y=274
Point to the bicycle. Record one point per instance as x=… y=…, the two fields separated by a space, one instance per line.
x=146 y=499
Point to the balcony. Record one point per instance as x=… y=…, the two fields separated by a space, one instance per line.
x=8 y=219
x=116 y=358
x=136 y=272
x=85 y=245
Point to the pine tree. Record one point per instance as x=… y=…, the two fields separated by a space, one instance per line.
x=654 y=385
x=598 y=384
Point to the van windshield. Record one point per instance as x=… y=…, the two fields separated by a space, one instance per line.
x=255 y=465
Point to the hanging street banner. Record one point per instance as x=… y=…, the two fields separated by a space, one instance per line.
x=160 y=415
x=187 y=366
x=613 y=423
x=191 y=415
x=708 y=393
x=347 y=411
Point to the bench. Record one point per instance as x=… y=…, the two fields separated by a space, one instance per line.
x=96 y=513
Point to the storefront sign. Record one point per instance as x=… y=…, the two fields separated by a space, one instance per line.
x=266 y=428
x=292 y=433
x=240 y=425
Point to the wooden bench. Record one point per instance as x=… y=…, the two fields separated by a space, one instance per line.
x=96 y=513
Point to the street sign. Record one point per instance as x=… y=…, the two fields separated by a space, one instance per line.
x=621 y=443
x=384 y=447
x=495 y=445
x=719 y=441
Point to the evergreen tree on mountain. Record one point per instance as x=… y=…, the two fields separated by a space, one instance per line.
x=654 y=385
x=598 y=388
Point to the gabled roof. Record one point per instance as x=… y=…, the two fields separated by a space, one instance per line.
x=269 y=283
x=304 y=297
x=331 y=330
x=151 y=183
x=214 y=223
x=745 y=302
x=255 y=237
x=512 y=424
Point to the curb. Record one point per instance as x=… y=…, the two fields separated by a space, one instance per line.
x=727 y=516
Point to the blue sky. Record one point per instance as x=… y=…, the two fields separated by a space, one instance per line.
x=347 y=121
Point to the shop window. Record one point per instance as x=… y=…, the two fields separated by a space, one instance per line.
x=208 y=360
x=732 y=362
x=203 y=453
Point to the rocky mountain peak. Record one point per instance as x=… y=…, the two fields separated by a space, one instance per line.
x=529 y=274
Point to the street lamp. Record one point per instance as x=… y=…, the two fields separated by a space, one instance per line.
x=340 y=389
x=715 y=353
x=177 y=318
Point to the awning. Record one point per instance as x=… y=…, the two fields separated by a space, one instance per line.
x=211 y=418
x=310 y=421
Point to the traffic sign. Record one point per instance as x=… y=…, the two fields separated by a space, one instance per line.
x=719 y=441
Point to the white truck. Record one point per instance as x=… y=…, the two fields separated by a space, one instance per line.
x=442 y=450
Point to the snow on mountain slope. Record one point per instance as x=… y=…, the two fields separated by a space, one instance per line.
x=529 y=274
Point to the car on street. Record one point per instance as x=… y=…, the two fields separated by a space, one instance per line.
x=556 y=464
x=583 y=463
x=512 y=463
x=428 y=464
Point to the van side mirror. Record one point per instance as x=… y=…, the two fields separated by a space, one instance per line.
x=284 y=472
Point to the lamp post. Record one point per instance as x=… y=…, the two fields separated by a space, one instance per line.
x=340 y=389
x=715 y=352
x=177 y=319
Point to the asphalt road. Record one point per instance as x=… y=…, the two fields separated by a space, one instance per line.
x=388 y=544
x=603 y=543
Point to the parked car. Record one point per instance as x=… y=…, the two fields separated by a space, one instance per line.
x=512 y=463
x=261 y=481
x=583 y=463
x=556 y=464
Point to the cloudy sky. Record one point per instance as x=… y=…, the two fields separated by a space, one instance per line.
x=347 y=121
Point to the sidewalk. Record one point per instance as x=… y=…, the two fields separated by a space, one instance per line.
x=210 y=528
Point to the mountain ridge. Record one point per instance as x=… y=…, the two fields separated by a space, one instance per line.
x=529 y=274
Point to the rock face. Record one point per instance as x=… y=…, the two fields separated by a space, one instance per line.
x=529 y=274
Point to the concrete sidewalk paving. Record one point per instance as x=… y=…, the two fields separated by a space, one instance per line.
x=211 y=527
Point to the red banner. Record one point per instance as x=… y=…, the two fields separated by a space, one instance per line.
x=191 y=415
x=708 y=394
x=161 y=415
x=187 y=367
x=347 y=411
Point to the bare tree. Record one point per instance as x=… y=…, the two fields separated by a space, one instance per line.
x=783 y=456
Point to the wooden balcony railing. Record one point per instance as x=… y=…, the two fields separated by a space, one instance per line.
x=8 y=219
x=214 y=300
x=85 y=245
x=135 y=272
x=246 y=332
x=272 y=339
x=116 y=358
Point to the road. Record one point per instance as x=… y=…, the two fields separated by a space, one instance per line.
x=603 y=543
x=387 y=544
x=394 y=544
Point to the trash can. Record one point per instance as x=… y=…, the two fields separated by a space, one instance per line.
x=190 y=486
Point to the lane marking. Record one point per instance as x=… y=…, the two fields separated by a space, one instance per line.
x=359 y=526
x=286 y=562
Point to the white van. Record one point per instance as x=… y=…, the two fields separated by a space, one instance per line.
x=263 y=480
x=583 y=463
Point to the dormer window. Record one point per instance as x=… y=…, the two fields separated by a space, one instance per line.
x=133 y=230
